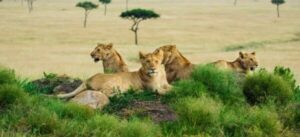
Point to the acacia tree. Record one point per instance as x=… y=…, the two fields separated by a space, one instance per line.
x=30 y=5
x=105 y=2
x=278 y=2
x=138 y=15
x=87 y=6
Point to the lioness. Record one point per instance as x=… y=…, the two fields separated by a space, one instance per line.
x=245 y=63
x=112 y=60
x=150 y=76
x=176 y=65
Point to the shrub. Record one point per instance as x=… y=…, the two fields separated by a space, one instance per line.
x=137 y=128
x=42 y=121
x=7 y=76
x=223 y=84
x=263 y=122
x=184 y=88
x=11 y=94
x=200 y=114
x=105 y=125
x=262 y=86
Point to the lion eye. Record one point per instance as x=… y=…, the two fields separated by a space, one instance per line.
x=98 y=50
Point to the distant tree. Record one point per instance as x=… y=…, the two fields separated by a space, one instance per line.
x=235 y=2
x=126 y=5
x=278 y=2
x=87 y=6
x=138 y=15
x=105 y=2
x=30 y=5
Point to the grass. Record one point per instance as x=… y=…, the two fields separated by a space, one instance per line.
x=210 y=103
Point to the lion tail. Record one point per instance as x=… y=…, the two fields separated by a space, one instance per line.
x=73 y=93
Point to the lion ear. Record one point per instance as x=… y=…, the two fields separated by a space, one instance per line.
x=253 y=53
x=109 y=46
x=142 y=55
x=159 y=53
x=99 y=44
x=173 y=47
x=241 y=54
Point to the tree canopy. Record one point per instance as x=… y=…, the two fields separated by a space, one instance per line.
x=105 y=1
x=87 y=5
x=278 y=2
x=142 y=14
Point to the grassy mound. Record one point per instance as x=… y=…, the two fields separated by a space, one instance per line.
x=211 y=103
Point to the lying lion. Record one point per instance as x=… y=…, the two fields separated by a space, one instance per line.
x=150 y=76
x=245 y=63
x=176 y=65
x=112 y=60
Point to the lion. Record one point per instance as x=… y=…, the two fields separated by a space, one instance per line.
x=112 y=60
x=151 y=76
x=246 y=62
x=176 y=65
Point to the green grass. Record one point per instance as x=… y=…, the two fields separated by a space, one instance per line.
x=210 y=103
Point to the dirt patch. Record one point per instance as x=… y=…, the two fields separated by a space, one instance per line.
x=52 y=83
x=155 y=110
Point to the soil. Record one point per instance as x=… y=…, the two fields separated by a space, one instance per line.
x=155 y=110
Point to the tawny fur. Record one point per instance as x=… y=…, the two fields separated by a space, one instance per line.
x=150 y=76
x=245 y=63
x=111 y=59
x=176 y=65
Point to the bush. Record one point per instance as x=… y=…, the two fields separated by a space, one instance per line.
x=222 y=84
x=200 y=114
x=184 y=88
x=263 y=122
x=7 y=76
x=262 y=86
x=42 y=121
x=137 y=128
x=10 y=95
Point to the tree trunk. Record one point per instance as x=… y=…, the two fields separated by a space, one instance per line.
x=235 y=2
x=126 y=5
x=85 y=18
x=278 y=11
x=136 y=37
x=105 y=9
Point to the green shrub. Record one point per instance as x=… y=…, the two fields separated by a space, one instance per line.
x=42 y=121
x=262 y=86
x=184 y=88
x=7 y=76
x=263 y=122
x=223 y=84
x=11 y=94
x=200 y=114
x=137 y=128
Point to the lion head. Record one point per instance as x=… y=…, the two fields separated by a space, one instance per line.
x=151 y=62
x=248 y=61
x=170 y=53
x=102 y=52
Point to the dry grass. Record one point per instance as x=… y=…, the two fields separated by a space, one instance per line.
x=52 y=38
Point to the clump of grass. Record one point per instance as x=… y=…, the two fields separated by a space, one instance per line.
x=42 y=121
x=7 y=76
x=10 y=95
x=261 y=86
x=248 y=45
x=105 y=125
x=200 y=114
x=221 y=84
x=138 y=128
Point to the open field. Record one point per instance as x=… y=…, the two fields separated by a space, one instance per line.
x=52 y=38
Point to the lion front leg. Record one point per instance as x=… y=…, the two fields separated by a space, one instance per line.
x=164 y=89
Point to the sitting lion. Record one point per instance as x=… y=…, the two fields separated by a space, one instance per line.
x=112 y=60
x=245 y=63
x=176 y=65
x=150 y=76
